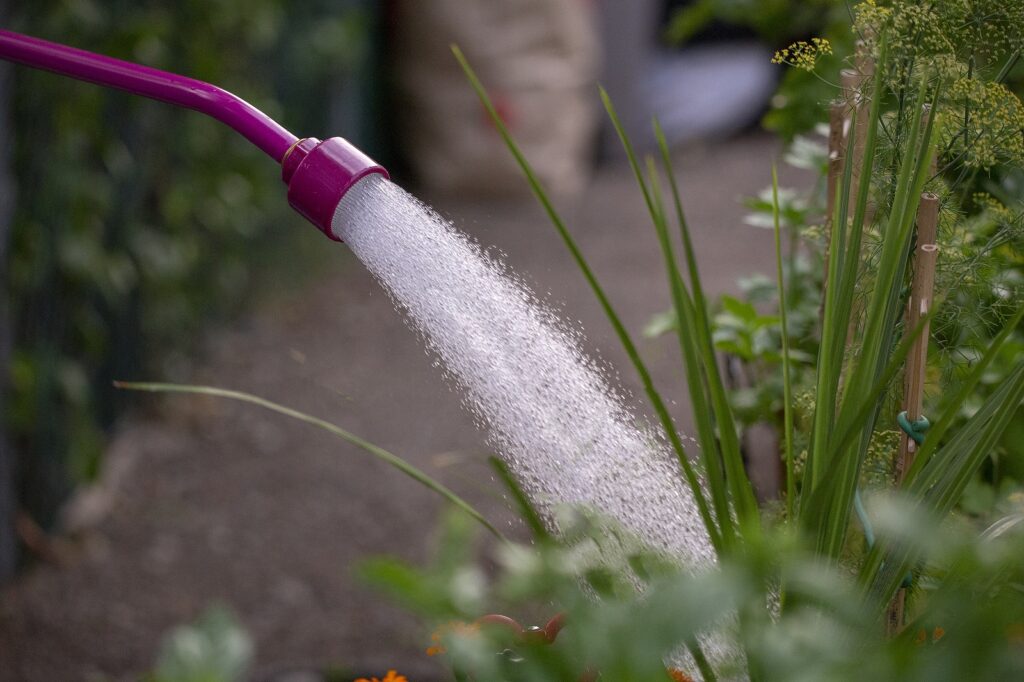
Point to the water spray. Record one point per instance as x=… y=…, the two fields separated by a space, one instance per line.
x=552 y=415
x=317 y=173
x=550 y=412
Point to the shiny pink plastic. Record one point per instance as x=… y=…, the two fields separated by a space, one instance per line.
x=319 y=173
x=233 y=111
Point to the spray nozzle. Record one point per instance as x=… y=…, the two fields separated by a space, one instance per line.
x=317 y=173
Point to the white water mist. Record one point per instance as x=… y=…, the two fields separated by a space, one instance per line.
x=551 y=414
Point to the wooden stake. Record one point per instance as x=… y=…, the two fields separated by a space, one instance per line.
x=920 y=303
x=921 y=295
x=836 y=144
x=854 y=84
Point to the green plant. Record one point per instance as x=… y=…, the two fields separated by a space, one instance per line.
x=797 y=595
x=862 y=347
x=625 y=608
x=214 y=648
x=980 y=273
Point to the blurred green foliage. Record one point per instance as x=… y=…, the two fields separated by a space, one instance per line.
x=136 y=221
x=980 y=276
x=215 y=648
x=801 y=99
x=627 y=610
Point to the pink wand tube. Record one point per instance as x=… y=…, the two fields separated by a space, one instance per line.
x=316 y=181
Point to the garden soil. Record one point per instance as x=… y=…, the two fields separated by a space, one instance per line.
x=209 y=501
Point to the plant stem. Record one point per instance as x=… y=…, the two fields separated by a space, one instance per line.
x=787 y=386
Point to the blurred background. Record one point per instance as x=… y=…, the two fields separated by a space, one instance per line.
x=138 y=241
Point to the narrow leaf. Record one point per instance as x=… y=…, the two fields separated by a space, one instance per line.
x=380 y=453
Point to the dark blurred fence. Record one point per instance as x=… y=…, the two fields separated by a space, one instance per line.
x=129 y=222
x=8 y=545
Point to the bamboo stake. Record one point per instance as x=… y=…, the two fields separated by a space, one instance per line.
x=920 y=303
x=921 y=295
x=836 y=144
x=854 y=82
x=836 y=152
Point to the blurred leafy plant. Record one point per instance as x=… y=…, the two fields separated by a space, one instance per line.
x=626 y=610
x=977 y=122
x=135 y=221
x=214 y=648
x=800 y=101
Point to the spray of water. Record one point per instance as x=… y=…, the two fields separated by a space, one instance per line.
x=550 y=413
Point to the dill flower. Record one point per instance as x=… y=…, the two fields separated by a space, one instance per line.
x=802 y=54
x=995 y=208
x=985 y=123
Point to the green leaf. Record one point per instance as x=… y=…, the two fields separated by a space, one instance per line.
x=787 y=385
x=661 y=323
x=380 y=453
x=214 y=648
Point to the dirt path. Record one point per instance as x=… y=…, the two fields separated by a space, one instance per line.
x=224 y=502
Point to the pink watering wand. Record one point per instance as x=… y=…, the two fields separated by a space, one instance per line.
x=318 y=174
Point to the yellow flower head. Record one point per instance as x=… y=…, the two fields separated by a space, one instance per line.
x=803 y=54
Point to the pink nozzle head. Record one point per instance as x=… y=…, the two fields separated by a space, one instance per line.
x=318 y=175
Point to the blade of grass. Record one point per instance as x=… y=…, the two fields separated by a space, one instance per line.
x=881 y=324
x=943 y=481
x=526 y=508
x=838 y=309
x=932 y=462
x=728 y=444
x=787 y=385
x=937 y=432
x=816 y=502
x=380 y=453
x=691 y=365
x=840 y=291
x=881 y=320
x=833 y=332
x=620 y=330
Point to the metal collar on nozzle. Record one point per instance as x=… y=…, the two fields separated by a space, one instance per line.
x=317 y=173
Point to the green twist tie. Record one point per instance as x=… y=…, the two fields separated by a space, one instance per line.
x=915 y=429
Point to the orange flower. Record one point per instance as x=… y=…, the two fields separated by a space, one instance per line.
x=679 y=676
x=392 y=676
x=922 y=635
x=456 y=627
